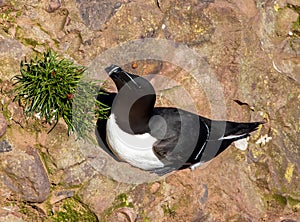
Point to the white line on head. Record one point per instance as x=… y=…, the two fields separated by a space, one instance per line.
x=114 y=69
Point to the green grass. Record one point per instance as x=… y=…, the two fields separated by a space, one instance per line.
x=53 y=88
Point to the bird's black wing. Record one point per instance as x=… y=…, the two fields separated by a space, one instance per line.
x=180 y=134
x=191 y=139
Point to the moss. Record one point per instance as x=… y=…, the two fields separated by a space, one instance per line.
x=168 y=210
x=23 y=208
x=279 y=199
x=142 y=215
x=5 y=111
x=56 y=42
x=28 y=212
x=49 y=165
x=72 y=209
x=147 y=219
x=120 y=201
x=31 y=42
x=295 y=27
x=294 y=203
x=28 y=41
x=67 y=186
x=8 y=18
x=289 y=172
x=257 y=152
x=18 y=14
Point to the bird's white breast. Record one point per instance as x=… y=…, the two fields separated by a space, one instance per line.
x=134 y=149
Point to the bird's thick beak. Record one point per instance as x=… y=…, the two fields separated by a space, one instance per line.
x=118 y=75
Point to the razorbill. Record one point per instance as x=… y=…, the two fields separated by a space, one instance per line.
x=162 y=139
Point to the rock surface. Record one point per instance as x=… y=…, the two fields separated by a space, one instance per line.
x=11 y=52
x=3 y=125
x=9 y=214
x=222 y=59
x=25 y=176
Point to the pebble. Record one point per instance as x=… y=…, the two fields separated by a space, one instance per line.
x=134 y=65
x=155 y=187
x=54 y=5
x=5 y=146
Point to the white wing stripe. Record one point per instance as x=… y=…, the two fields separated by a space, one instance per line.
x=205 y=141
x=232 y=136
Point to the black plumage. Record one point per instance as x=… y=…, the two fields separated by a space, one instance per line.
x=182 y=138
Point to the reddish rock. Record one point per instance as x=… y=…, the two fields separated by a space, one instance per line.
x=99 y=193
x=54 y=5
x=155 y=187
x=24 y=174
x=78 y=174
x=4 y=3
x=10 y=214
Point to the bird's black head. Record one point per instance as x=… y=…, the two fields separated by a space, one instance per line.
x=134 y=103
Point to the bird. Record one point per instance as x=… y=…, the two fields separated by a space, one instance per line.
x=163 y=139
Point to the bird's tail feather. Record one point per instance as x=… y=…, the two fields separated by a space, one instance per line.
x=227 y=130
x=236 y=130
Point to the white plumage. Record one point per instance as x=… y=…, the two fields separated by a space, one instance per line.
x=134 y=149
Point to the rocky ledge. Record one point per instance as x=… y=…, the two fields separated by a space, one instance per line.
x=248 y=51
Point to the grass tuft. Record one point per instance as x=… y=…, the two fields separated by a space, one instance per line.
x=51 y=88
